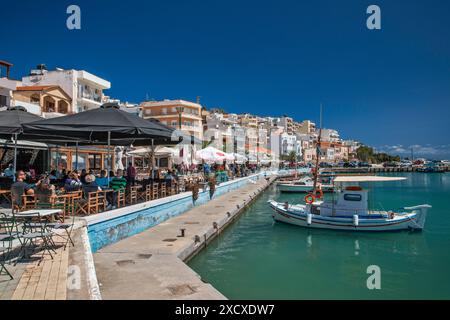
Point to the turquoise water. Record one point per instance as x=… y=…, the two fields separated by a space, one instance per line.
x=256 y=258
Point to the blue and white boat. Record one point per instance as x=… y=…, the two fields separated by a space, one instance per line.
x=348 y=210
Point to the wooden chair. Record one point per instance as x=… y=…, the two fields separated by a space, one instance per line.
x=102 y=201
x=181 y=185
x=148 y=192
x=93 y=203
x=133 y=195
x=141 y=193
x=163 y=190
x=173 y=188
x=121 y=199
x=155 y=193
x=28 y=202
x=89 y=206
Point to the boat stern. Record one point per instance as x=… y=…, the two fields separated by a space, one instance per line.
x=420 y=214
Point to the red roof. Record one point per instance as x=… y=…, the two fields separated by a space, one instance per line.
x=34 y=88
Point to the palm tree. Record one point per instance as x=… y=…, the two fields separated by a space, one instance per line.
x=292 y=156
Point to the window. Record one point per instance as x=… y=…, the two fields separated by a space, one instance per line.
x=352 y=197
x=95 y=161
x=164 y=111
x=2 y=101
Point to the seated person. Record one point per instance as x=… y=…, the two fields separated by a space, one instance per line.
x=72 y=183
x=169 y=178
x=52 y=175
x=20 y=188
x=117 y=182
x=9 y=172
x=103 y=181
x=44 y=190
x=90 y=185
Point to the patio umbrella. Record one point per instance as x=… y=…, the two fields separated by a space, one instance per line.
x=97 y=126
x=211 y=154
x=11 y=125
x=105 y=125
x=239 y=158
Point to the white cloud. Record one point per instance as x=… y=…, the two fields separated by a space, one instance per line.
x=438 y=151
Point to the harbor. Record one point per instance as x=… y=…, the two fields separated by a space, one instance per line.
x=259 y=259
x=156 y=262
x=214 y=158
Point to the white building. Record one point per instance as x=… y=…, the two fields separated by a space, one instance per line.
x=288 y=143
x=330 y=135
x=7 y=85
x=84 y=88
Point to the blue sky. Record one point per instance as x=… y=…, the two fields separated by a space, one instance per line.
x=388 y=88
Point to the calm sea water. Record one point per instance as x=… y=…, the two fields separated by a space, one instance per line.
x=256 y=258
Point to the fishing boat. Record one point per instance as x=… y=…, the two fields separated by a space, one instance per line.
x=303 y=185
x=349 y=209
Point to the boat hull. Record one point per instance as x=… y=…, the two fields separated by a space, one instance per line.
x=414 y=220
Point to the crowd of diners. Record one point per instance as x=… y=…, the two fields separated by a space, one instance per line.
x=46 y=186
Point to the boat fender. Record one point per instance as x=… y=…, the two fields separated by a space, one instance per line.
x=309 y=219
x=309 y=198
x=355 y=220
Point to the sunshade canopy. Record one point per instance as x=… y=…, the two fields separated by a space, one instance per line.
x=211 y=154
x=158 y=151
x=95 y=126
x=13 y=119
x=367 y=179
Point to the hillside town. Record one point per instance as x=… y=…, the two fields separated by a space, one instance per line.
x=60 y=92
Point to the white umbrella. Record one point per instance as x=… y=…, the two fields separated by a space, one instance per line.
x=210 y=154
x=159 y=151
x=239 y=158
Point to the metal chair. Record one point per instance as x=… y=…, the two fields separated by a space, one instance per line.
x=6 y=229
x=34 y=232
x=66 y=227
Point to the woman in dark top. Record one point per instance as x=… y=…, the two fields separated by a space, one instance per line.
x=44 y=190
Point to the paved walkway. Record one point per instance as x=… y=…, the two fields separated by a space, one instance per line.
x=48 y=281
x=150 y=265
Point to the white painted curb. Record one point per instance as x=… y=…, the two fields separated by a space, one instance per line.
x=92 y=282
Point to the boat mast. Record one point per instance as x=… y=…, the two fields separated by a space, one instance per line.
x=316 y=171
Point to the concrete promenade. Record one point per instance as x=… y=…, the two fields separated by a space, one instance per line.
x=150 y=265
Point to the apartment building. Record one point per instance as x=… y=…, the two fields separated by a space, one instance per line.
x=306 y=127
x=84 y=89
x=45 y=101
x=177 y=114
x=7 y=85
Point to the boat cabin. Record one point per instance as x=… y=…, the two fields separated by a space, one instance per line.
x=349 y=198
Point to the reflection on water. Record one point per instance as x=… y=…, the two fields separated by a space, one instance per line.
x=257 y=258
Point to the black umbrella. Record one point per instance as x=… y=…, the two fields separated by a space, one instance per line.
x=105 y=125
x=100 y=125
x=13 y=119
x=11 y=125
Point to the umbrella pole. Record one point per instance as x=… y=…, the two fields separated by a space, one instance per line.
x=153 y=161
x=15 y=156
x=109 y=154
x=76 y=156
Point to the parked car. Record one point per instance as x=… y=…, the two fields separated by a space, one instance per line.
x=390 y=165
x=364 y=165
x=325 y=165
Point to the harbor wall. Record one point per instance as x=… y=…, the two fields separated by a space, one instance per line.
x=109 y=227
